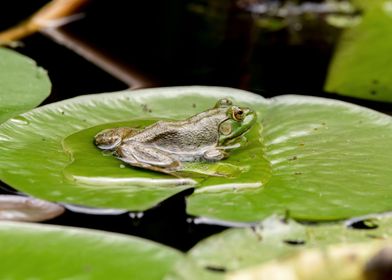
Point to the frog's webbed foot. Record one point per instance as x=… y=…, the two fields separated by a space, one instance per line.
x=148 y=157
x=109 y=139
x=215 y=154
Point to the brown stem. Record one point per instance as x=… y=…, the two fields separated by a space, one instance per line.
x=44 y=20
x=54 y=10
x=125 y=73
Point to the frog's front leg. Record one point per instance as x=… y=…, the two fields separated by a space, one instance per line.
x=215 y=154
x=146 y=156
x=234 y=143
x=220 y=152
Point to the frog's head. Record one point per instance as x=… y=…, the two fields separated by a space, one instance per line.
x=240 y=120
x=107 y=139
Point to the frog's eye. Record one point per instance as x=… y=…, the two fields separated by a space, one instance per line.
x=225 y=102
x=238 y=114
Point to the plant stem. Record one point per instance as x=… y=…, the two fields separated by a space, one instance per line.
x=53 y=13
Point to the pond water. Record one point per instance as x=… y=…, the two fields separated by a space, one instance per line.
x=170 y=54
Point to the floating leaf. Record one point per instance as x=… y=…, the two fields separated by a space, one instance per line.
x=71 y=169
x=51 y=252
x=305 y=153
x=23 y=85
x=361 y=65
x=274 y=238
x=328 y=161
x=27 y=209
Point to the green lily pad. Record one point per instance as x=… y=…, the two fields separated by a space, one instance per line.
x=71 y=169
x=328 y=161
x=305 y=153
x=51 y=252
x=23 y=84
x=241 y=248
x=361 y=64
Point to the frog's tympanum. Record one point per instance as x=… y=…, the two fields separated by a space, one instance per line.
x=164 y=145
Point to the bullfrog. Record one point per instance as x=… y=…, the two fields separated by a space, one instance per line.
x=165 y=145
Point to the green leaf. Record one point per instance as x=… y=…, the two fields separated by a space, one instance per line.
x=51 y=154
x=361 y=64
x=305 y=153
x=328 y=161
x=32 y=251
x=23 y=85
x=274 y=238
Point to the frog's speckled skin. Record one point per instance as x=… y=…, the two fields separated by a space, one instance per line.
x=164 y=145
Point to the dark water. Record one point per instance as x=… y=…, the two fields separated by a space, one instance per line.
x=173 y=42
x=167 y=223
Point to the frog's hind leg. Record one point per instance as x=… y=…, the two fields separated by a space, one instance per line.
x=148 y=157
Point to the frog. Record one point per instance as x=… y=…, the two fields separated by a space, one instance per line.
x=165 y=145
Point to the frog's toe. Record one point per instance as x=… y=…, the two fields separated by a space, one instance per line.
x=214 y=155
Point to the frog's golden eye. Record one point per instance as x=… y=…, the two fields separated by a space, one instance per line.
x=238 y=114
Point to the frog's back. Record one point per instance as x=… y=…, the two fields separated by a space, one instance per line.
x=188 y=135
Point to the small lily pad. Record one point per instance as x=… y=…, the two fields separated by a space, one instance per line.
x=27 y=209
x=52 y=252
x=23 y=84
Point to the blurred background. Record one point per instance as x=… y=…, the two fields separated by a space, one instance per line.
x=266 y=46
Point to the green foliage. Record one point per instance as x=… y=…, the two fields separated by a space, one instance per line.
x=328 y=161
x=23 y=85
x=74 y=171
x=305 y=153
x=31 y=251
x=361 y=66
